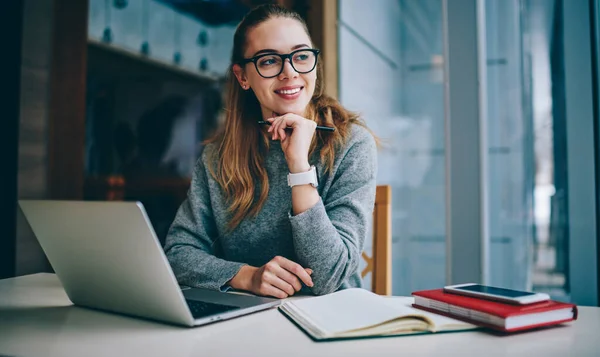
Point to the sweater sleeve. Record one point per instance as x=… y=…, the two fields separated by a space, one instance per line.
x=192 y=241
x=329 y=237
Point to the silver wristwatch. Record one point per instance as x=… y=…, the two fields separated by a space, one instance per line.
x=304 y=178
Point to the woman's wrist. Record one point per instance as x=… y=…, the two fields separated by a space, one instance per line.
x=243 y=279
x=299 y=166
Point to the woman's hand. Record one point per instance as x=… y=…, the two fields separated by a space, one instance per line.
x=279 y=278
x=295 y=144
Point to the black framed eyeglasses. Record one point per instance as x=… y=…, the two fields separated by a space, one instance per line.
x=269 y=65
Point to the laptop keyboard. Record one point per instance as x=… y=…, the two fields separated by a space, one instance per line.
x=202 y=309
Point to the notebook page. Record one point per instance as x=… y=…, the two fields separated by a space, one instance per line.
x=439 y=322
x=345 y=310
x=402 y=326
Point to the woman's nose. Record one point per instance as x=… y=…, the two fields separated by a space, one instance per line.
x=288 y=70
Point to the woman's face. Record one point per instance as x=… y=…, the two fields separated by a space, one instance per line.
x=290 y=91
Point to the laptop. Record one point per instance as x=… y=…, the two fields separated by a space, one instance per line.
x=107 y=257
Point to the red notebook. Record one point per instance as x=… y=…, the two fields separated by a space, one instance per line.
x=495 y=315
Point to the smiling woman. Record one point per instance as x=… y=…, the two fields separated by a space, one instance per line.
x=281 y=208
x=278 y=48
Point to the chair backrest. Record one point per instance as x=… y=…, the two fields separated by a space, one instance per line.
x=380 y=264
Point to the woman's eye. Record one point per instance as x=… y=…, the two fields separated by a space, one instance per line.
x=301 y=57
x=267 y=61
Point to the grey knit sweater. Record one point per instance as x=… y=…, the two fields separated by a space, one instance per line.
x=327 y=238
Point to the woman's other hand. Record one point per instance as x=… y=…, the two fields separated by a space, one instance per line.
x=279 y=278
x=295 y=143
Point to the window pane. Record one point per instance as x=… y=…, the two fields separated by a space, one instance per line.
x=391 y=72
x=527 y=147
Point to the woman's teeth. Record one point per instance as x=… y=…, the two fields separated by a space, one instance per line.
x=289 y=91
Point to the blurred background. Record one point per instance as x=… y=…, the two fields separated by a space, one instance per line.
x=112 y=99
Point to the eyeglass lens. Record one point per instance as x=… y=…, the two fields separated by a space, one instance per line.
x=271 y=65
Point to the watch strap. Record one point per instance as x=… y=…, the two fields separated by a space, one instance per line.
x=304 y=178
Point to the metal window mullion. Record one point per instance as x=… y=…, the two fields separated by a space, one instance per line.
x=583 y=262
x=467 y=236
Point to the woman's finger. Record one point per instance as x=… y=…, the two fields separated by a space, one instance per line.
x=281 y=128
x=270 y=290
x=275 y=131
x=295 y=269
x=280 y=123
x=270 y=120
x=273 y=128
x=289 y=278
x=279 y=283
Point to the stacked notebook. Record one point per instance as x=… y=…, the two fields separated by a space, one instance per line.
x=495 y=315
x=359 y=313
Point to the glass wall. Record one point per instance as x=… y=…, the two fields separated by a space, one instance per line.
x=528 y=176
x=513 y=178
x=538 y=139
x=154 y=83
x=391 y=72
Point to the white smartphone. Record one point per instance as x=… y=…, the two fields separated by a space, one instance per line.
x=497 y=294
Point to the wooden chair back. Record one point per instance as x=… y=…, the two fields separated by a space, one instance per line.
x=380 y=262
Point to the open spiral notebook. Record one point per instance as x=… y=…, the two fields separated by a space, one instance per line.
x=359 y=313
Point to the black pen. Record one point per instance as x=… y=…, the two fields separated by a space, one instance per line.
x=324 y=128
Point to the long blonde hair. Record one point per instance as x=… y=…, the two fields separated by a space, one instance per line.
x=241 y=144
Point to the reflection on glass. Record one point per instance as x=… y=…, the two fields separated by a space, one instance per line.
x=527 y=152
x=148 y=108
x=391 y=72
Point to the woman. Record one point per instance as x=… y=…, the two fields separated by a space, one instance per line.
x=242 y=226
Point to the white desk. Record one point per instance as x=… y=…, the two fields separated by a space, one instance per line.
x=37 y=319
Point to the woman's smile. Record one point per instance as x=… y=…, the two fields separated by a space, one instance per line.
x=289 y=92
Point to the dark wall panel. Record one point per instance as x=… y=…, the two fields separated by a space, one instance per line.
x=11 y=18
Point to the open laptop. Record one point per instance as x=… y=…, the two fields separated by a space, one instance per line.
x=107 y=257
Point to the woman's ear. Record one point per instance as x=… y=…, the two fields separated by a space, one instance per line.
x=240 y=75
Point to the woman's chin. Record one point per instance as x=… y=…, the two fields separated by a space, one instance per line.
x=298 y=109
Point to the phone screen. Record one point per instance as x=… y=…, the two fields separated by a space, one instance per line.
x=495 y=291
